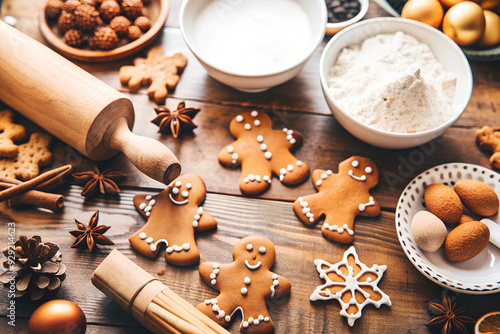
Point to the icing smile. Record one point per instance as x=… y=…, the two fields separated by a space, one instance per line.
x=177 y=202
x=359 y=178
x=252 y=267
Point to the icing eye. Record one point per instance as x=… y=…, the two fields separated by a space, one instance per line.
x=355 y=163
x=249 y=247
x=189 y=185
x=240 y=118
x=368 y=170
x=262 y=250
x=185 y=193
x=175 y=191
x=178 y=184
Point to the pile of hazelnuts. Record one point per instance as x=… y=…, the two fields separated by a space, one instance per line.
x=100 y=24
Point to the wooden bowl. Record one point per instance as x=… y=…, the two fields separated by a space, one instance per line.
x=157 y=11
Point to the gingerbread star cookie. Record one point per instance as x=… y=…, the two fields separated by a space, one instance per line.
x=262 y=152
x=30 y=157
x=174 y=215
x=341 y=198
x=158 y=71
x=244 y=285
x=352 y=283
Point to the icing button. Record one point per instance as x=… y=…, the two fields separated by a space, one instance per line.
x=254 y=113
x=240 y=118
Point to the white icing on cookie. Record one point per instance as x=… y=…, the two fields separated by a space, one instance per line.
x=213 y=275
x=338 y=229
x=363 y=206
x=252 y=267
x=359 y=178
x=275 y=284
x=306 y=210
x=240 y=118
x=350 y=284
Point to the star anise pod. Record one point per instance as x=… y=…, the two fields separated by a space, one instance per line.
x=175 y=121
x=448 y=317
x=95 y=182
x=92 y=234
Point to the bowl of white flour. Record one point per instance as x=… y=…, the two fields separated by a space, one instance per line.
x=395 y=83
x=253 y=45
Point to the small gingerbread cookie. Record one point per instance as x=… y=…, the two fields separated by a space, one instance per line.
x=244 y=285
x=158 y=71
x=349 y=277
x=489 y=139
x=174 y=215
x=262 y=152
x=31 y=156
x=9 y=133
x=341 y=198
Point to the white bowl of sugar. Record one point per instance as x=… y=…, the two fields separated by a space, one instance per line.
x=395 y=83
x=253 y=45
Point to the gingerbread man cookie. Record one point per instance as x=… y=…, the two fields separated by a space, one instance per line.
x=158 y=71
x=261 y=152
x=174 y=215
x=31 y=156
x=352 y=283
x=341 y=198
x=489 y=139
x=9 y=133
x=244 y=285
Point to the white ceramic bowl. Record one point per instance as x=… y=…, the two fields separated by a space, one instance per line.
x=446 y=52
x=333 y=28
x=253 y=45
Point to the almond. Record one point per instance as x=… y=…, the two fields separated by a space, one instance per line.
x=443 y=202
x=477 y=197
x=466 y=241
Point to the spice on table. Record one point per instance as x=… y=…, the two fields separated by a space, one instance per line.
x=91 y=234
x=37 y=267
x=342 y=10
x=175 y=121
x=96 y=182
x=448 y=317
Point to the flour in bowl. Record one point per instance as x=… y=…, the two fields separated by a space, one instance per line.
x=393 y=82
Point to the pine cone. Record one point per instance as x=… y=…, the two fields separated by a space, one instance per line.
x=71 y=5
x=105 y=38
x=86 y=17
x=132 y=8
x=133 y=33
x=120 y=25
x=73 y=38
x=143 y=23
x=53 y=8
x=36 y=266
x=109 y=9
x=66 y=21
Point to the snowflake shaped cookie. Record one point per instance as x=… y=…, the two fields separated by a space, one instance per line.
x=262 y=152
x=352 y=283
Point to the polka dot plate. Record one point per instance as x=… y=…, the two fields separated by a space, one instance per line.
x=479 y=275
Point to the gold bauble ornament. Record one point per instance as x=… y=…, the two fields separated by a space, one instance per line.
x=57 y=316
x=426 y=11
x=449 y=3
x=464 y=23
x=491 y=35
x=489 y=4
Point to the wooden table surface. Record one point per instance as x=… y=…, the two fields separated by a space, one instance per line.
x=297 y=104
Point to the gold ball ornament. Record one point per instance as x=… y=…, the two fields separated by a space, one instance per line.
x=426 y=11
x=489 y=4
x=57 y=316
x=450 y=3
x=464 y=23
x=491 y=35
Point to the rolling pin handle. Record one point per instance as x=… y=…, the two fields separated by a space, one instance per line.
x=149 y=156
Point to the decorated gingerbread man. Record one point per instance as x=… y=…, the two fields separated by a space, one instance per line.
x=244 y=285
x=341 y=198
x=262 y=152
x=174 y=215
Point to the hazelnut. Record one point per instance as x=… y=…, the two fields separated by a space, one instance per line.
x=143 y=23
x=120 y=24
x=133 y=33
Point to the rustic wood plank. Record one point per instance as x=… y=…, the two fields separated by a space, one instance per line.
x=376 y=243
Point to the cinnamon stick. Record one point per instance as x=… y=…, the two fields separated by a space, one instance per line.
x=54 y=202
x=25 y=186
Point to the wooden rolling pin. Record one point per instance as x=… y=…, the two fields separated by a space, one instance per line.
x=75 y=106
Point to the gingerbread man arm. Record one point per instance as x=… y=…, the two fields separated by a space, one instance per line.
x=206 y=221
x=282 y=288
x=209 y=272
x=309 y=208
x=228 y=156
